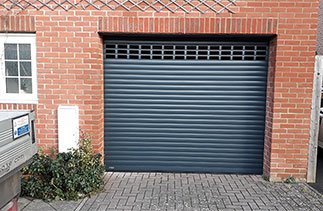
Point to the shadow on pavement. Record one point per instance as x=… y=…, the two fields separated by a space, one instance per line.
x=319 y=172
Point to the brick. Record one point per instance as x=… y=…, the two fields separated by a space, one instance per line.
x=69 y=41
x=253 y=192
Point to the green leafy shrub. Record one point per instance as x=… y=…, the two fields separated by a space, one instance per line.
x=290 y=180
x=64 y=176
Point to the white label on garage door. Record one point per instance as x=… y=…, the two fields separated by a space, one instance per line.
x=20 y=126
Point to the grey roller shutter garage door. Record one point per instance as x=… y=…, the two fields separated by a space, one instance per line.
x=175 y=107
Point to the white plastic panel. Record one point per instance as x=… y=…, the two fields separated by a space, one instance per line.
x=68 y=128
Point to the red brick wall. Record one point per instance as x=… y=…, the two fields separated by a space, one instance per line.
x=70 y=70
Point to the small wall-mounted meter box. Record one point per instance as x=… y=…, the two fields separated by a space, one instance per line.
x=17 y=147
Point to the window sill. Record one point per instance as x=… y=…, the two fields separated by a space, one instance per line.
x=16 y=101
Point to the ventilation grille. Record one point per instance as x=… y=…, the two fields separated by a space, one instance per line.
x=177 y=51
x=5 y=136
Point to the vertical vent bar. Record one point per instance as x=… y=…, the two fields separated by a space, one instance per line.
x=33 y=134
x=181 y=51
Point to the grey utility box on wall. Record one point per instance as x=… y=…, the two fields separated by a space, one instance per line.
x=17 y=147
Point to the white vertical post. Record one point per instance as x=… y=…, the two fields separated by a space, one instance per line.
x=68 y=127
x=315 y=119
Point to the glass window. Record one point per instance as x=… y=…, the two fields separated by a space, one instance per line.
x=18 y=68
x=18 y=57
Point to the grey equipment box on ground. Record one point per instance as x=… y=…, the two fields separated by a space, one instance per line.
x=17 y=147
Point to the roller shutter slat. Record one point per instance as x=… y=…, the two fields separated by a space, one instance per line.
x=184 y=116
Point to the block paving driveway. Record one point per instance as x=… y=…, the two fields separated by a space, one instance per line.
x=181 y=191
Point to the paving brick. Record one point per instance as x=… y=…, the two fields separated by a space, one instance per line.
x=38 y=205
x=102 y=207
x=158 y=191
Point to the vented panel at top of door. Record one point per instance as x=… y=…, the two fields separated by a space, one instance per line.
x=182 y=51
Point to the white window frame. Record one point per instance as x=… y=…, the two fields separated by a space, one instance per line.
x=18 y=98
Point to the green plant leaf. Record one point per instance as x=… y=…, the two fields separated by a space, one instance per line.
x=64 y=176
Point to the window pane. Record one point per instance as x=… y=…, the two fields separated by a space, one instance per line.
x=11 y=68
x=12 y=85
x=10 y=51
x=26 y=85
x=24 y=51
x=25 y=68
